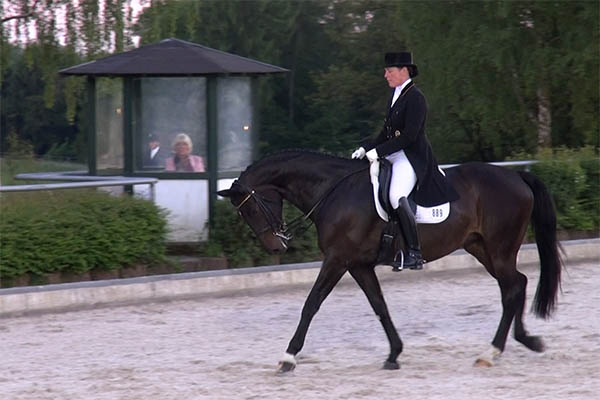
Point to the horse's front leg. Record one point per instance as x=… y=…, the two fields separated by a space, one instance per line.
x=368 y=282
x=329 y=276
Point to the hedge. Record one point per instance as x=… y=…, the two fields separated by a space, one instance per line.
x=76 y=232
x=573 y=179
x=232 y=238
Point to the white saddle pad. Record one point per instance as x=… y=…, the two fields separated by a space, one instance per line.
x=424 y=215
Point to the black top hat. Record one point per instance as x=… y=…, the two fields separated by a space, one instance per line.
x=402 y=59
x=152 y=137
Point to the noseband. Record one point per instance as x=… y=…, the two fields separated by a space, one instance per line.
x=278 y=229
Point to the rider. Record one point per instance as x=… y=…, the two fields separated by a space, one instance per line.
x=403 y=142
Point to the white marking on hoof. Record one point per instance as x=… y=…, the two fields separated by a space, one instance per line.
x=487 y=358
x=288 y=358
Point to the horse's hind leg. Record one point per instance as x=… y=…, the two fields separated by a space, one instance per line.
x=329 y=276
x=513 y=285
x=512 y=288
x=367 y=280
x=534 y=343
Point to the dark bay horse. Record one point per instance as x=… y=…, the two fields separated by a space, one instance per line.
x=489 y=221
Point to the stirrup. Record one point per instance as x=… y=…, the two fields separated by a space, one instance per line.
x=398 y=265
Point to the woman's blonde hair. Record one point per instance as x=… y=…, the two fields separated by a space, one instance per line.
x=182 y=137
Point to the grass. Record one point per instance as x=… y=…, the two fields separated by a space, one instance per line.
x=10 y=166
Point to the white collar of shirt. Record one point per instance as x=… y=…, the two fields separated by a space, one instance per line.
x=398 y=90
x=154 y=151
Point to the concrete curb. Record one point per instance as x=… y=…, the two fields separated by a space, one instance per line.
x=81 y=295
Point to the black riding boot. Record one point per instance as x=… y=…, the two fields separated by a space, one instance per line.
x=412 y=258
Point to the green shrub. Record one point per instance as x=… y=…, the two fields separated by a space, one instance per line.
x=66 y=150
x=231 y=237
x=14 y=164
x=77 y=231
x=572 y=177
x=590 y=196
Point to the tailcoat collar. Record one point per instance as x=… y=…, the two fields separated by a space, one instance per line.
x=404 y=91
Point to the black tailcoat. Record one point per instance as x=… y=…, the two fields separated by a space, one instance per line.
x=404 y=129
x=158 y=161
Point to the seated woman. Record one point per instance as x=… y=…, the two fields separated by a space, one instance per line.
x=183 y=160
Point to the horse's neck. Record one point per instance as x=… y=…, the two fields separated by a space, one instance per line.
x=303 y=183
x=304 y=189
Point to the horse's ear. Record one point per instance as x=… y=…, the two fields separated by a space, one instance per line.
x=224 y=193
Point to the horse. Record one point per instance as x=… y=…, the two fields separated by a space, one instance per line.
x=489 y=221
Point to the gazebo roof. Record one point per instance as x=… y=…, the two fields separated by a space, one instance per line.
x=172 y=57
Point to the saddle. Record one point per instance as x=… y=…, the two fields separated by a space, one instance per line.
x=392 y=231
x=385 y=181
x=381 y=183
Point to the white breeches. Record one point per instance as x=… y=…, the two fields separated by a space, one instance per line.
x=403 y=177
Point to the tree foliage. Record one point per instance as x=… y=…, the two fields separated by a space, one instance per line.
x=505 y=75
x=34 y=107
x=38 y=38
x=501 y=77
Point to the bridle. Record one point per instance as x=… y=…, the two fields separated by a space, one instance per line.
x=279 y=228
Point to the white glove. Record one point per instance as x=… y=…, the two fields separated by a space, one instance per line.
x=360 y=153
x=372 y=155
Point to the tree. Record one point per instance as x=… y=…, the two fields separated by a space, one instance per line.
x=501 y=78
x=20 y=11
x=348 y=105
x=26 y=111
x=287 y=34
x=37 y=105
x=497 y=72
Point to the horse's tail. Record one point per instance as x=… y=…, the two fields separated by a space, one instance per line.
x=544 y=225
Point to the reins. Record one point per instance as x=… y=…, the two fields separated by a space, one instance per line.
x=294 y=227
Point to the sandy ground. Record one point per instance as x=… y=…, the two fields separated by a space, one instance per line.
x=228 y=348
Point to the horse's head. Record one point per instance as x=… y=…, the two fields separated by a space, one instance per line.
x=262 y=211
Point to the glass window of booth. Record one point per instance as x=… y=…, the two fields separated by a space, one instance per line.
x=170 y=124
x=234 y=123
x=109 y=126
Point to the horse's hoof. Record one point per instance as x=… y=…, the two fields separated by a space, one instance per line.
x=482 y=363
x=487 y=358
x=391 y=365
x=534 y=343
x=285 y=366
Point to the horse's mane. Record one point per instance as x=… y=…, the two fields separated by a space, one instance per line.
x=286 y=154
